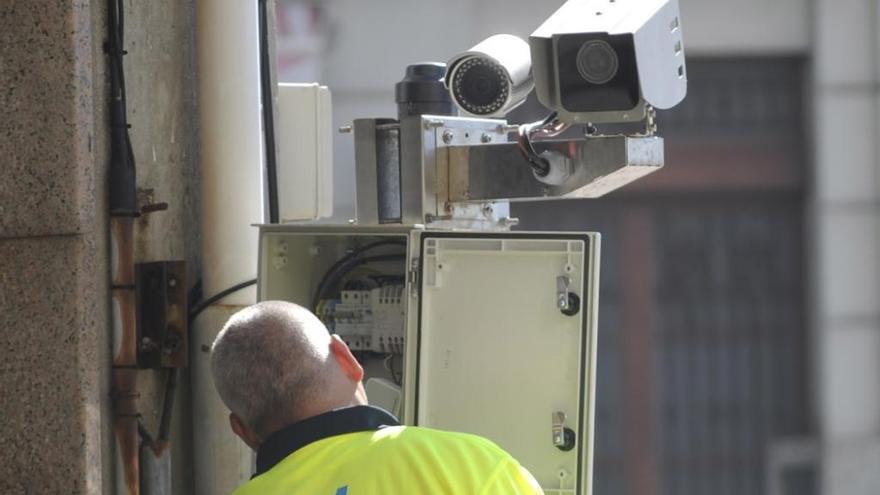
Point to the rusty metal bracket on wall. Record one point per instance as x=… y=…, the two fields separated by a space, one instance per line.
x=162 y=315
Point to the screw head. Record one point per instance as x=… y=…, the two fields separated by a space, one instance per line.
x=448 y=136
x=486 y=138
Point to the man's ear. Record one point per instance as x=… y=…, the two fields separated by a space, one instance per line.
x=243 y=432
x=347 y=362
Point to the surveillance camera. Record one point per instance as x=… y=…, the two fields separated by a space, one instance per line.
x=491 y=78
x=599 y=61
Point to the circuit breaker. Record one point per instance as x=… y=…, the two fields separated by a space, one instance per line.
x=491 y=333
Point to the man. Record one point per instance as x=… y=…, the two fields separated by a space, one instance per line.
x=296 y=397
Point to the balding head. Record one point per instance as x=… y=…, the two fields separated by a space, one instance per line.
x=274 y=363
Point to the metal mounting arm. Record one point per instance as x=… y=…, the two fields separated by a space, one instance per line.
x=461 y=171
x=586 y=168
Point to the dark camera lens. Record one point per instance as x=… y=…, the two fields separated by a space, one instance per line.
x=597 y=62
x=480 y=86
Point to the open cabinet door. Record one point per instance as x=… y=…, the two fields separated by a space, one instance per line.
x=504 y=346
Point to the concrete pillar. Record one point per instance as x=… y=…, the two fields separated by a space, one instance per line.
x=846 y=219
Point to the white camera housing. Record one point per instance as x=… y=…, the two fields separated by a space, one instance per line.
x=600 y=61
x=491 y=78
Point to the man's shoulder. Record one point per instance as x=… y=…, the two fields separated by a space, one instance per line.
x=384 y=460
x=442 y=438
x=481 y=466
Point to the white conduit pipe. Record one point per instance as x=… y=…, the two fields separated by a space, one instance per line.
x=231 y=144
x=232 y=201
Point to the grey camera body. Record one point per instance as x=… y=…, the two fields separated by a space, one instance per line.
x=601 y=61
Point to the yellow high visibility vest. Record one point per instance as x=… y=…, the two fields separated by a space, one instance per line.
x=387 y=460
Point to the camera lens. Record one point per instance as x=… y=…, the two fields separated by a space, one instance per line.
x=597 y=62
x=480 y=86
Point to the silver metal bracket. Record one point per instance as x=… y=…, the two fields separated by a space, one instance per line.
x=595 y=166
x=568 y=302
x=559 y=428
x=400 y=170
x=564 y=438
x=450 y=171
x=563 y=282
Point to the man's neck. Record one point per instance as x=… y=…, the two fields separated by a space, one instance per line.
x=317 y=410
x=340 y=421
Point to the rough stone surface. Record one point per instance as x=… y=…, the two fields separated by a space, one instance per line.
x=51 y=409
x=45 y=117
x=53 y=264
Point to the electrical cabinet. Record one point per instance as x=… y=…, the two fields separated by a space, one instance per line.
x=498 y=329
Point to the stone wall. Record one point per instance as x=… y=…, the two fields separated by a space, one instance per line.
x=53 y=252
x=54 y=333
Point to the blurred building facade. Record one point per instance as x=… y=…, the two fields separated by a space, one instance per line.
x=740 y=331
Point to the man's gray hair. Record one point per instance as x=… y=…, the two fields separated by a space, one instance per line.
x=267 y=361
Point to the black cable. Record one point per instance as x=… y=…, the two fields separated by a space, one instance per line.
x=319 y=291
x=144 y=433
x=161 y=440
x=196 y=310
x=168 y=406
x=347 y=268
x=524 y=141
x=122 y=171
x=342 y=261
x=171 y=381
x=121 y=22
x=398 y=380
x=268 y=112
x=550 y=118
